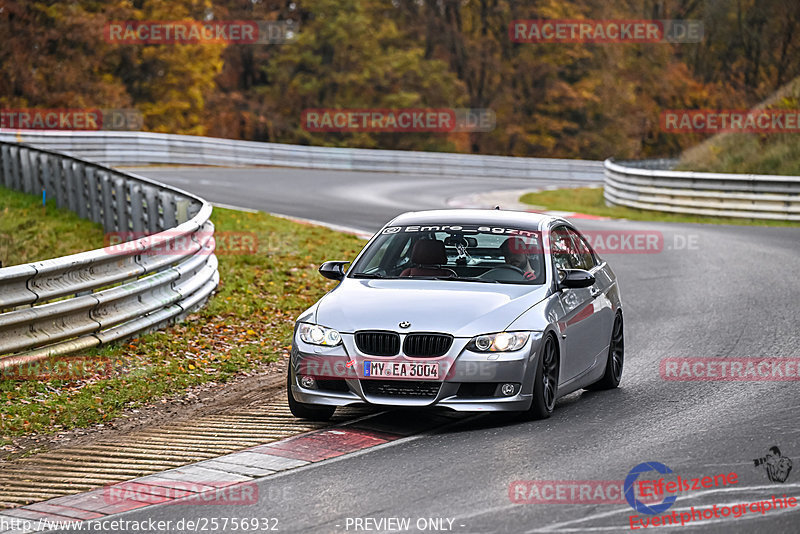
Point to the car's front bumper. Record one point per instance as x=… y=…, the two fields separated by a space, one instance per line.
x=471 y=383
x=519 y=402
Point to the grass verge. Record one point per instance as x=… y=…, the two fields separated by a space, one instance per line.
x=590 y=200
x=30 y=232
x=246 y=326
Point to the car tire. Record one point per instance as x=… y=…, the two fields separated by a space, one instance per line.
x=545 y=384
x=306 y=411
x=615 y=360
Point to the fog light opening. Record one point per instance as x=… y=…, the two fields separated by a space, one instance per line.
x=507 y=389
x=308 y=382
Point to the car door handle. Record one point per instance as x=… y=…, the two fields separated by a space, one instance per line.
x=594 y=291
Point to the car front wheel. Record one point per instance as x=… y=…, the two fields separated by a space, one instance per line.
x=616 y=358
x=545 y=386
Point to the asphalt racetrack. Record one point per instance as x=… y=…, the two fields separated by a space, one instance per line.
x=707 y=291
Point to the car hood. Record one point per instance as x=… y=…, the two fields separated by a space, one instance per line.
x=464 y=309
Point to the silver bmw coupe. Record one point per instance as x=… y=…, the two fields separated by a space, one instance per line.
x=471 y=310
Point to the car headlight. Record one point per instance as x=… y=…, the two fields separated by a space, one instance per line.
x=315 y=334
x=500 y=342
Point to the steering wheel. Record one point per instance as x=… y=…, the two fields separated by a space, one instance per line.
x=488 y=274
x=506 y=266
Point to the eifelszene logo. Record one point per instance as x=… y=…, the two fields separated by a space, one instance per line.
x=630 y=496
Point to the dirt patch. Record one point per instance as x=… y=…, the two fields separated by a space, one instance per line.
x=257 y=386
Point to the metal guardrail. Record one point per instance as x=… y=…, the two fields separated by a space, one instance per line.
x=71 y=303
x=140 y=148
x=651 y=185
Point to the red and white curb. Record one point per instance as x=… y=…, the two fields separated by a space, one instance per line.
x=226 y=480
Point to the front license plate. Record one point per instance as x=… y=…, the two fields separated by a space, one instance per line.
x=418 y=370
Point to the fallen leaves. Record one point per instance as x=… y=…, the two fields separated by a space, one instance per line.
x=242 y=330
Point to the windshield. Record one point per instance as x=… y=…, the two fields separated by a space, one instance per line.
x=467 y=253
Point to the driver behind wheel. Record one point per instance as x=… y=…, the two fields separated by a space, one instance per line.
x=514 y=252
x=428 y=256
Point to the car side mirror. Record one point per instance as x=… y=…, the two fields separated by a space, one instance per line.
x=333 y=270
x=576 y=278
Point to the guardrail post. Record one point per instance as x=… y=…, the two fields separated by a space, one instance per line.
x=60 y=190
x=137 y=209
x=193 y=210
x=71 y=187
x=93 y=195
x=25 y=166
x=82 y=190
x=15 y=180
x=5 y=160
x=151 y=196
x=120 y=205
x=48 y=180
x=39 y=167
x=167 y=201
x=33 y=171
x=182 y=210
x=106 y=194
